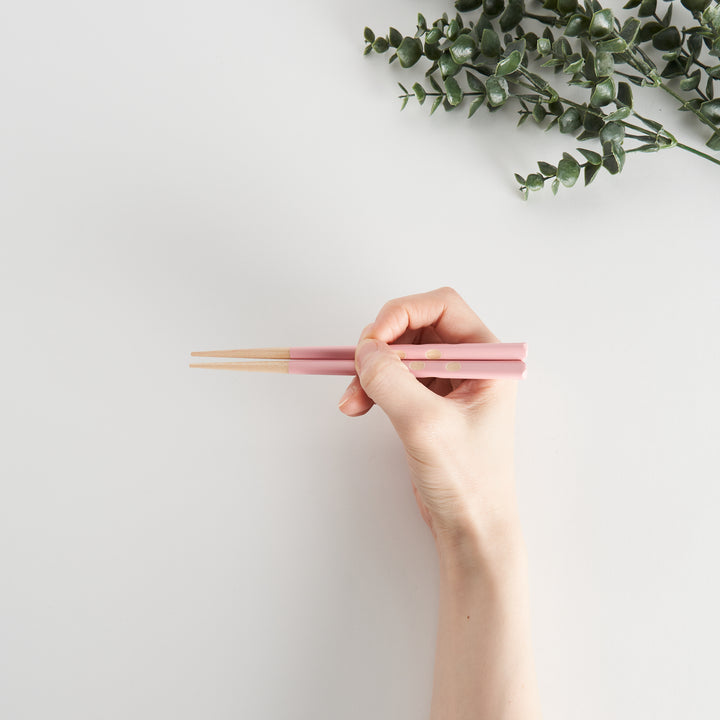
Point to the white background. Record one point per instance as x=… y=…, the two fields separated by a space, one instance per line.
x=177 y=176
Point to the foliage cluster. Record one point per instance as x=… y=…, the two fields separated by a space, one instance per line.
x=492 y=59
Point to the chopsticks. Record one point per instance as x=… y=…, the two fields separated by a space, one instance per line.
x=462 y=351
x=460 y=361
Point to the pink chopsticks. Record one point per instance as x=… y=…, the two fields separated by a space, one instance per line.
x=460 y=361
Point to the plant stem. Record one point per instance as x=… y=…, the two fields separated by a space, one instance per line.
x=699 y=153
x=687 y=106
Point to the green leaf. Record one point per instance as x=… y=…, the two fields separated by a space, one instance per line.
x=436 y=104
x=604 y=65
x=509 y=64
x=490 y=43
x=612 y=131
x=491 y=8
x=513 y=14
x=535 y=181
x=624 y=94
x=592 y=157
x=367 y=50
x=421 y=22
x=667 y=39
x=577 y=25
x=395 y=37
x=448 y=67
x=462 y=49
x=539 y=113
x=714 y=72
x=601 y=24
x=474 y=82
x=454 y=93
x=475 y=105
x=714 y=142
x=496 y=90
x=696 y=5
x=573 y=64
x=691 y=81
x=629 y=30
x=404 y=102
x=555 y=186
x=711 y=110
x=409 y=51
x=369 y=35
x=616 y=45
x=613 y=157
x=544 y=46
x=547 y=169
x=520 y=179
x=620 y=114
x=603 y=93
x=380 y=45
x=420 y=93
x=570 y=121
x=590 y=172
x=568 y=170
x=647 y=8
x=467 y=5
x=433 y=36
x=566 y=6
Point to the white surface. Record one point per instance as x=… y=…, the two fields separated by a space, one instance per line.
x=179 y=544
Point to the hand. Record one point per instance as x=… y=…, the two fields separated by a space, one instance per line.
x=458 y=434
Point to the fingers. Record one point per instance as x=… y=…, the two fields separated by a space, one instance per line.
x=443 y=309
x=392 y=386
x=440 y=315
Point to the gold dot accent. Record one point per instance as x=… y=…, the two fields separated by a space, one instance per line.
x=417 y=365
x=400 y=354
x=433 y=354
x=453 y=366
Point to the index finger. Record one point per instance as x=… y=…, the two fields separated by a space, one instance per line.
x=444 y=310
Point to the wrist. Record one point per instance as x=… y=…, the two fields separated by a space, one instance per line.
x=491 y=546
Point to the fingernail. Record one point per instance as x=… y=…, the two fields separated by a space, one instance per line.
x=366 y=347
x=347 y=394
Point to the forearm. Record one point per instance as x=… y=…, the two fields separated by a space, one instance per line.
x=484 y=668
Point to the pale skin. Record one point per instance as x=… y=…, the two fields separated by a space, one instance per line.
x=459 y=442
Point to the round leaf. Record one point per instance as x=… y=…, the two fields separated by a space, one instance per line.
x=711 y=110
x=513 y=14
x=496 y=90
x=467 y=5
x=462 y=49
x=535 y=181
x=569 y=121
x=409 y=51
x=490 y=43
x=568 y=170
x=454 y=93
x=491 y=8
x=603 y=93
x=601 y=24
x=667 y=39
x=448 y=67
x=509 y=64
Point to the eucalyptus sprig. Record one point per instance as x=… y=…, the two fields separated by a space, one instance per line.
x=488 y=60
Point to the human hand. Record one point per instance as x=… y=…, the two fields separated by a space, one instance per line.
x=458 y=434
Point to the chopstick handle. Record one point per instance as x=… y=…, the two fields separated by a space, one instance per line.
x=426 y=351
x=459 y=369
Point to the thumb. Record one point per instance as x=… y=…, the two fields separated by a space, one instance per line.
x=389 y=382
